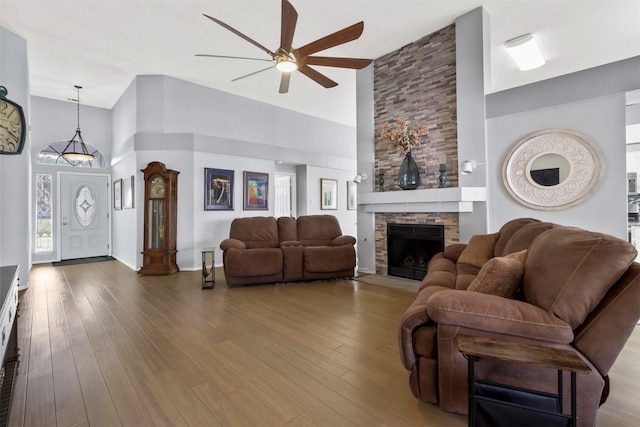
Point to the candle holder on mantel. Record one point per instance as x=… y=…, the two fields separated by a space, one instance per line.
x=443 y=175
x=381 y=179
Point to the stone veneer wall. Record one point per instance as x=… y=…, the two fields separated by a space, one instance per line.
x=418 y=82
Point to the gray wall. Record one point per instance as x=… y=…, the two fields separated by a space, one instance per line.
x=15 y=170
x=189 y=128
x=472 y=77
x=591 y=102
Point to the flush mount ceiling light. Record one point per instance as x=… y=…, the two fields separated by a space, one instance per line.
x=71 y=152
x=525 y=52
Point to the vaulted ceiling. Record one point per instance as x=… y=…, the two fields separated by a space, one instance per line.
x=103 y=44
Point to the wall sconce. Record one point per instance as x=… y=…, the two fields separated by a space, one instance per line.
x=468 y=166
x=358 y=178
x=525 y=52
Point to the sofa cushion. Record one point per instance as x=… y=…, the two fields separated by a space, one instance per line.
x=569 y=270
x=253 y=262
x=500 y=276
x=441 y=271
x=522 y=238
x=465 y=274
x=255 y=232
x=318 y=230
x=479 y=249
x=507 y=230
x=327 y=259
x=287 y=229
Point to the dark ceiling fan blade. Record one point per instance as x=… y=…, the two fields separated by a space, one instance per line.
x=288 y=25
x=251 y=74
x=317 y=77
x=339 y=37
x=233 y=57
x=239 y=34
x=327 y=61
x=284 y=82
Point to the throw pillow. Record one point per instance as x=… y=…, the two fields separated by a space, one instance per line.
x=500 y=275
x=479 y=250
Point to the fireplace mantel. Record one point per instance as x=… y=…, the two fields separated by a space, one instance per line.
x=455 y=199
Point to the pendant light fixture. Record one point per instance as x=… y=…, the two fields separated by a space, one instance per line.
x=76 y=150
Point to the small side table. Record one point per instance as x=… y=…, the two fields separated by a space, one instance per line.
x=504 y=399
x=208 y=268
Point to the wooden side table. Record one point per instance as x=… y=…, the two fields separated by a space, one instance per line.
x=546 y=409
x=208 y=268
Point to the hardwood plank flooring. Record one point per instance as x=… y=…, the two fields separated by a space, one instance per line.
x=102 y=346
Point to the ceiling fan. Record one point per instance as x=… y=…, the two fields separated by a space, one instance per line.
x=287 y=59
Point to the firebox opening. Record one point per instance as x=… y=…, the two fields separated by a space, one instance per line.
x=411 y=246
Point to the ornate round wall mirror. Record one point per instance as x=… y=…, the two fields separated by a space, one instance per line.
x=553 y=169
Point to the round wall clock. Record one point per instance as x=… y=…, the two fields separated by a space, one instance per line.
x=12 y=125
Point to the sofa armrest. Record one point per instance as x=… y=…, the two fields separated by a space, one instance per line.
x=453 y=251
x=495 y=314
x=414 y=317
x=290 y=243
x=343 y=240
x=232 y=243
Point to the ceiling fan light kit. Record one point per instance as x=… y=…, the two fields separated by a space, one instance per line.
x=286 y=59
x=286 y=64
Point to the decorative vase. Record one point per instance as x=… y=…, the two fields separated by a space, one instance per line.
x=409 y=177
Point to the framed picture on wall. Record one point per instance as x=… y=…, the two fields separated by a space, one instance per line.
x=117 y=194
x=128 y=191
x=256 y=191
x=352 y=194
x=218 y=189
x=328 y=193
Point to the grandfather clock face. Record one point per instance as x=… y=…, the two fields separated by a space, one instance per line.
x=12 y=126
x=157 y=188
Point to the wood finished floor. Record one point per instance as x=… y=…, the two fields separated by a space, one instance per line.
x=102 y=346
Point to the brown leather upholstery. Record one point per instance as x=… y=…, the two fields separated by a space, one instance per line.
x=581 y=292
x=266 y=250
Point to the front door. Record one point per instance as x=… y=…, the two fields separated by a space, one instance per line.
x=84 y=215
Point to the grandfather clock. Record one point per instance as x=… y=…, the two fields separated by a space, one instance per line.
x=160 y=220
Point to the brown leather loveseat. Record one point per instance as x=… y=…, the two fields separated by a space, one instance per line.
x=266 y=250
x=532 y=282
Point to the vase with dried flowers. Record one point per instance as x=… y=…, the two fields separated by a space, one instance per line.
x=404 y=137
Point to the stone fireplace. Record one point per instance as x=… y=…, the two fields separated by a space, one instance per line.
x=411 y=246
x=447 y=221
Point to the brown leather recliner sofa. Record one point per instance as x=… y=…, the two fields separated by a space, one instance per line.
x=578 y=290
x=266 y=250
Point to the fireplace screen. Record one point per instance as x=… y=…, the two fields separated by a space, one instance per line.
x=411 y=246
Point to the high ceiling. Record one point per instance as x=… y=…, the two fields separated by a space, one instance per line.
x=103 y=44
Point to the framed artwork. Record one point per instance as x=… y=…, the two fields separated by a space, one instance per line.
x=352 y=193
x=328 y=193
x=117 y=194
x=256 y=191
x=128 y=191
x=218 y=189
